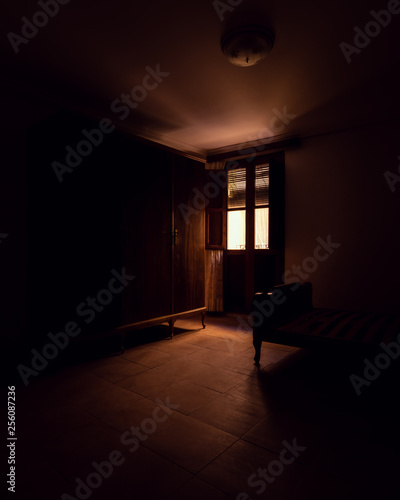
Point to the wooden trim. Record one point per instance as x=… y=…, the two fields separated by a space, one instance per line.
x=232 y=152
x=250 y=231
x=208 y=245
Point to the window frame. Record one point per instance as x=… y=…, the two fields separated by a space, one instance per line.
x=250 y=165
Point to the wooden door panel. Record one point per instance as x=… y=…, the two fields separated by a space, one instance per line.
x=147 y=235
x=235 y=281
x=189 y=280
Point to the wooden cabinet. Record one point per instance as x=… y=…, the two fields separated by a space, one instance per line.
x=120 y=208
x=163 y=238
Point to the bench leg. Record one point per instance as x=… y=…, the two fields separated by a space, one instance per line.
x=171 y=323
x=202 y=320
x=257 y=347
x=122 y=344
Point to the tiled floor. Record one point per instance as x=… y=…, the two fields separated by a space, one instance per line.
x=193 y=418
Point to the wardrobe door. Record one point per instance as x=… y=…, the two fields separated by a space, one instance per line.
x=188 y=225
x=147 y=233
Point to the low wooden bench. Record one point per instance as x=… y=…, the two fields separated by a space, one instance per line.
x=170 y=319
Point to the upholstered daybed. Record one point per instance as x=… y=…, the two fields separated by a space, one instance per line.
x=285 y=315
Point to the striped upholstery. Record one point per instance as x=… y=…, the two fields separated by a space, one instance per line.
x=346 y=326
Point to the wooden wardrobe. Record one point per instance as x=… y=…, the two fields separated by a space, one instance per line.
x=128 y=205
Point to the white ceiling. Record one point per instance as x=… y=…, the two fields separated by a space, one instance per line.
x=92 y=51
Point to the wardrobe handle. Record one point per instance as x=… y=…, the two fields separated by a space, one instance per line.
x=175 y=236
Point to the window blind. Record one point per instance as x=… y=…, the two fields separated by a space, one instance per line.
x=262 y=185
x=237 y=188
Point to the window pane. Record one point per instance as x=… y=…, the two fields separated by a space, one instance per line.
x=237 y=188
x=262 y=185
x=237 y=230
x=261 y=227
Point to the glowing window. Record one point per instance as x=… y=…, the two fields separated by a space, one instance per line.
x=261 y=210
x=261 y=228
x=236 y=209
x=237 y=230
x=241 y=201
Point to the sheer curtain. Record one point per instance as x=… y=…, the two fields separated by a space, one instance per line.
x=214 y=281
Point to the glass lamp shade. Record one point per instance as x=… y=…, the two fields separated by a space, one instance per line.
x=247 y=46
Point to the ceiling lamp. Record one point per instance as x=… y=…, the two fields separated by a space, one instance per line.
x=248 y=45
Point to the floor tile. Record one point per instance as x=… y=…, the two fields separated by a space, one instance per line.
x=195 y=489
x=190 y=396
x=175 y=347
x=146 y=357
x=226 y=345
x=188 y=442
x=237 y=471
x=210 y=357
x=209 y=422
x=216 y=378
x=233 y=415
x=251 y=390
x=142 y=474
x=277 y=427
x=116 y=368
x=115 y=401
x=244 y=363
x=74 y=453
x=183 y=367
x=150 y=383
x=76 y=389
x=134 y=412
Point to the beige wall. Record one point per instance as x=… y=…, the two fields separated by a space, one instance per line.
x=335 y=185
